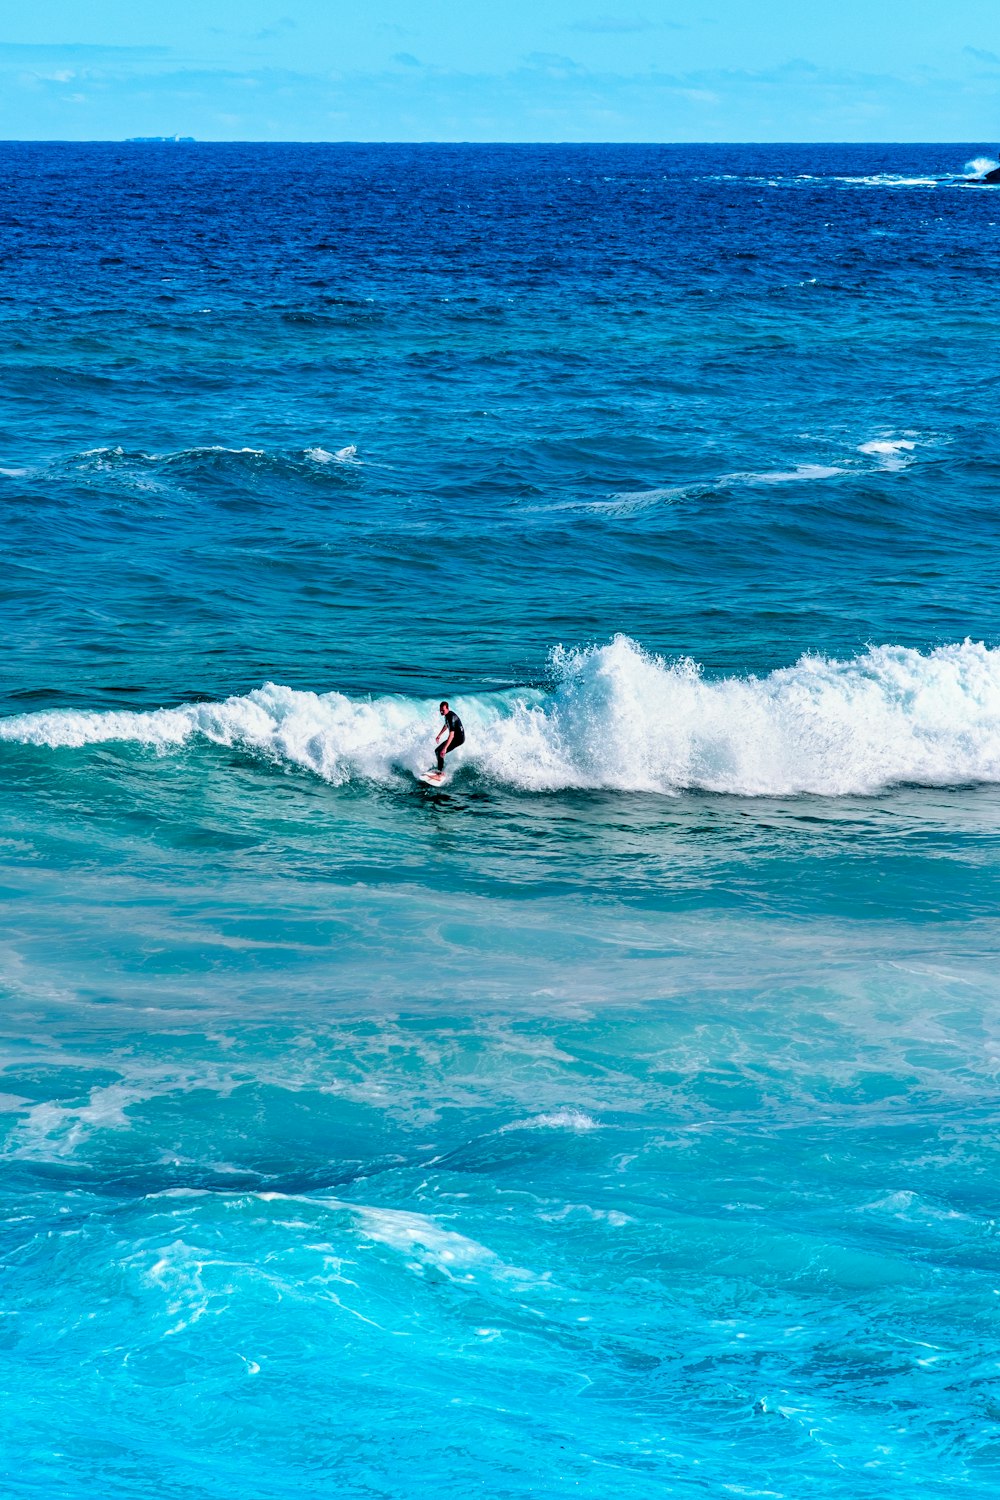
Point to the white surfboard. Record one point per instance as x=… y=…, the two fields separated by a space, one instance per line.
x=431 y=778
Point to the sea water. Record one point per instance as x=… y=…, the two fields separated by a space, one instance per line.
x=622 y=1118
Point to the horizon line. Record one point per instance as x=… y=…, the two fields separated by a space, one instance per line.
x=172 y=140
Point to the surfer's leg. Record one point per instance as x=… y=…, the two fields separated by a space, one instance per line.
x=439 y=752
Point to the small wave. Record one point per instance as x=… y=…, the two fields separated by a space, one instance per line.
x=891 y=179
x=102 y=457
x=866 y=180
x=788 y=476
x=119 y=457
x=211 y=448
x=649 y=497
x=139 y=469
x=560 y=1119
x=118 y=454
x=980 y=165
x=891 y=452
x=421 y=1236
x=621 y=719
x=626 y=502
x=348 y=455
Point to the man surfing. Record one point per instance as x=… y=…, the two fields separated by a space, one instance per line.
x=449 y=737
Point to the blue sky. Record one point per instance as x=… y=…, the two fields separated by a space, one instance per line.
x=527 y=70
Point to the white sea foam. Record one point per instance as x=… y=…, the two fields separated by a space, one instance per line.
x=422 y=1237
x=980 y=165
x=639 y=498
x=560 y=1119
x=869 y=179
x=348 y=455
x=890 y=452
x=889 y=179
x=619 y=718
x=54 y=1129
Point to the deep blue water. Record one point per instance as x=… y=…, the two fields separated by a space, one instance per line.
x=620 y=1119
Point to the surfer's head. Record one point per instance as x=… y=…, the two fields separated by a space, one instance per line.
x=444 y=707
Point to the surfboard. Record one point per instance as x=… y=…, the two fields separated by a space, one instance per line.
x=431 y=778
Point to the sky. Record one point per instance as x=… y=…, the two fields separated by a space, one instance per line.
x=524 y=70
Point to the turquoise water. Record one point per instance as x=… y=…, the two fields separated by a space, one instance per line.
x=620 y=1118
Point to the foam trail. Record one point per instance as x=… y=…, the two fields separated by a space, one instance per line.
x=626 y=502
x=787 y=476
x=619 y=718
x=890 y=179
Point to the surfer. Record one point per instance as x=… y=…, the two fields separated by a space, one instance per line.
x=449 y=736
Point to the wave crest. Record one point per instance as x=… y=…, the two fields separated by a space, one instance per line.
x=622 y=719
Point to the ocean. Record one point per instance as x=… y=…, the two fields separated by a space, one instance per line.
x=621 y=1118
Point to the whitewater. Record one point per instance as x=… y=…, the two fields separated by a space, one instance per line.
x=622 y=719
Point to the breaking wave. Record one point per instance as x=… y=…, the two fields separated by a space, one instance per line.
x=619 y=718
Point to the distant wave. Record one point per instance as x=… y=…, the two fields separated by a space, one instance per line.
x=880 y=453
x=764 y=477
x=894 y=179
x=205 y=457
x=619 y=718
x=972 y=169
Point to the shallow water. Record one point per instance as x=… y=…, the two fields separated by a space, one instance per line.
x=621 y=1116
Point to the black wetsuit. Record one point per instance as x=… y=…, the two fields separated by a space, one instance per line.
x=453 y=723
